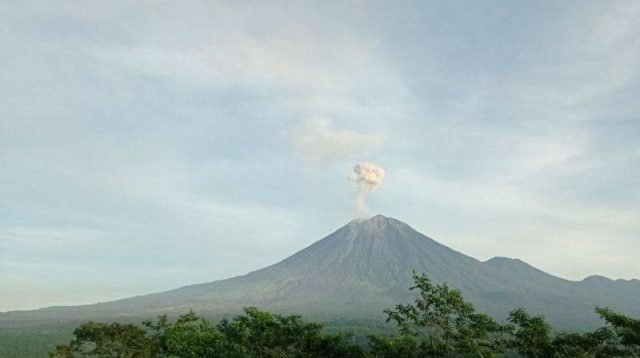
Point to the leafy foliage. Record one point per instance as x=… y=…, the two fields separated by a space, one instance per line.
x=601 y=343
x=444 y=323
x=391 y=347
x=531 y=337
x=191 y=337
x=264 y=334
x=254 y=334
x=107 y=340
x=440 y=323
x=627 y=328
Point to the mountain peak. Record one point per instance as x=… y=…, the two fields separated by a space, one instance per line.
x=597 y=279
x=505 y=261
x=377 y=220
x=377 y=225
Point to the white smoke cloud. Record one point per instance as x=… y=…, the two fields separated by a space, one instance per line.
x=319 y=140
x=368 y=176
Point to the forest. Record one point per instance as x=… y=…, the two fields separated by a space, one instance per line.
x=439 y=323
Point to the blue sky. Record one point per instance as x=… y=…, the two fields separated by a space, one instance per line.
x=149 y=145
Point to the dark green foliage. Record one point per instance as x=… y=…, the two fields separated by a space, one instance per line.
x=107 y=340
x=440 y=323
x=191 y=337
x=532 y=338
x=601 y=343
x=627 y=328
x=532 y=335
x=443 y=323
x=391 y=347
x=254 y=334
x=268 y=335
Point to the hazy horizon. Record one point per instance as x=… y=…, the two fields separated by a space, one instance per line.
x=145 y=147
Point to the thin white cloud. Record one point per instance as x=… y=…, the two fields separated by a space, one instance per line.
x=320 y=140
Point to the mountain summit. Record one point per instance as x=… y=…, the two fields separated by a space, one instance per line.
x=365 y=267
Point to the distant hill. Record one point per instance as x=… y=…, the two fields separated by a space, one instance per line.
x=363 y=268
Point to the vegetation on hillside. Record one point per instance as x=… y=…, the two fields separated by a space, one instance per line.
x=440 y=323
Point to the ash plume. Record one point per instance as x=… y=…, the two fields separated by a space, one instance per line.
x=367 y=176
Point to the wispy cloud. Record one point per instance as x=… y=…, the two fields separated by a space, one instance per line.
x=320 y=140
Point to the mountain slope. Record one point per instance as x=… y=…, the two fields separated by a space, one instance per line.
x=365 y=267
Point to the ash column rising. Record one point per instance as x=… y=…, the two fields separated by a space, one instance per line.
x=367 y=176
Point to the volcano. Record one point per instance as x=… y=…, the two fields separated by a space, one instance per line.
x=365 y=267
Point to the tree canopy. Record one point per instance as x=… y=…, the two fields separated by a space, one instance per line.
x=439 y=323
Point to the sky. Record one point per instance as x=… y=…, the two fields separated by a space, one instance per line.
x=149 y=145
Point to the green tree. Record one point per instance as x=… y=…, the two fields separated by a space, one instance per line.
x=627 y=328
x=440 y=323
x=405 y=346
x=191 y=337
x=254 y=334
x=270 y=335
x=602 y=343
x=444 y=323
x=97 y=339
x=532 y=335
x=188 y=337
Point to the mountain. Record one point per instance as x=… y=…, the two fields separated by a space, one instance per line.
x=363 y=268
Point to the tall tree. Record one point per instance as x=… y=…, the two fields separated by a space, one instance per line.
x=271 y=335
x=192 y=337
x=627 y=328
x=98 y=339
x=254 y=334
x=444 y=323
x=532 y=334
